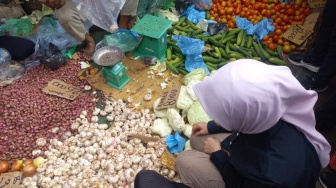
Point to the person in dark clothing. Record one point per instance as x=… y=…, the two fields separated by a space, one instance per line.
x=321 y=57
x=262 y=134
x=11 y=43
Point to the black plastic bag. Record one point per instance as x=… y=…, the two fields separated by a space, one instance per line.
x=182 y=5
x=214 y=28
x=53 y=58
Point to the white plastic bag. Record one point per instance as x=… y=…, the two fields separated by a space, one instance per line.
x=102 y=13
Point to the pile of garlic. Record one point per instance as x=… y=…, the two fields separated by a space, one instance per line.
x=99 y=156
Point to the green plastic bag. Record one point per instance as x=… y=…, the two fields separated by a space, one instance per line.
x=168 y=4
x=17 y=27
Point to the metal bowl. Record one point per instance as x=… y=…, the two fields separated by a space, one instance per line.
x=108 y=56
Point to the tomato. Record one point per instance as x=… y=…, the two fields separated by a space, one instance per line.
x=278 y=32
x=229 y=10
x=283 y=5
x=263 y=12
x=223 y=4
x=293 y=47
x=280 y=42
x=237 y=11
x=290 y=11
x=306 y=12
x=268 y=13
x=285 y=19
x=286 y=49
x=275 y=38
x=222 y=12
x=266 y=38
x=298 y=2
x=297 y=13
x=211 y=12
x=272 y=46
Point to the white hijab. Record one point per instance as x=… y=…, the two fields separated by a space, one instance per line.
x=250 y=97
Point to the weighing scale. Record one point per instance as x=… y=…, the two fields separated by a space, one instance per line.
x=154 y=37
x=113 y=71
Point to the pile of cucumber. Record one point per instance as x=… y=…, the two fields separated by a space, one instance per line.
x=226 y=47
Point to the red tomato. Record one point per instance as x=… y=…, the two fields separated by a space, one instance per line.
x=290 y=11
x=278 y=32
x=272 y=46
x=306 y=12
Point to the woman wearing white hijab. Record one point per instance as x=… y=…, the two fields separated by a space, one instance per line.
x=271 y=140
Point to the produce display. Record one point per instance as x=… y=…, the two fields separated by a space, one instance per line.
x=284 y=15
x=222 y=48
x=30 y=117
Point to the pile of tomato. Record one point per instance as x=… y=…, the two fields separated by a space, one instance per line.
x=284 y=15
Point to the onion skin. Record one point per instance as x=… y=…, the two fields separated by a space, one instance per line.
x=4 y=166
x=17 y=165
x=29 y=170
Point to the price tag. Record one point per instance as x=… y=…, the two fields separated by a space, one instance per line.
x=62 y=89
x=297 y=34
x=169 y=98
x=16 y=178
x=316 y=3
x=6 y=181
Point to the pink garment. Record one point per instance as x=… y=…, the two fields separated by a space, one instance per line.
x=250 y=97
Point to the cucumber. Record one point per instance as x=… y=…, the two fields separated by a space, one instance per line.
x=197 y=32
x=264 y=52
x=181 y=20
x=249 y=41
x=210 y=68
x=223 y=53
x=193 y=26
x=272 y=53
x=232 y=47
x=243 y=40
x=183 y=29
x=234 y=31
x=279 y=50
x=227 y=39
x=218 y=52
x=257 y=58
x=254 y=53
x=216 y=37
x=182 y=71
x=277 y=61
x=236 y=55
x=211 y=60
x=215 y=42
x=257 y=50
x=227 y=48
x=240 y=36
x=221 y=64
x=172 y=68
x=169 y=53
x=245 y=53
x=200 y=36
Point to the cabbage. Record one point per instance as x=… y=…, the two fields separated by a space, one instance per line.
x=175 y=120
x=197 y=74
x=184 y=101
x=159 y=113
x=187 y=132
x=161 y=127
x=187 y=146
x=190 y=89
x=196 y=113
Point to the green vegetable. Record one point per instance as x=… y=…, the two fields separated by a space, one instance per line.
x=211 y=59
x=172 y=68
x=196 y=74
x=169 y=53
x=277 y=61
x=196 y=113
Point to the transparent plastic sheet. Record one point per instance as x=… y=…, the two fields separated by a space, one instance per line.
x=192 y=49
x=16 y=27
x=126 y=40
x=50 y=31
x=182 y=5
x=149 y=6
x=102 y=13
x=10 y=71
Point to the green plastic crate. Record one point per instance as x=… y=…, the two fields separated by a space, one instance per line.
x=154 y=37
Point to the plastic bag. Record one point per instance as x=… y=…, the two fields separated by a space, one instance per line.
x=175 y=143
x=16 y=27
x=126 y=40
x=194 y=15
x=50 y=31
x=192 y=49
x=149 y=7
x=53 y=58
x=261 y=29
x=203 y=4
x=4 y=56
x=32 y=61
x=183 y=5
x=10 y=71
x=214 y=28
x=101 y=13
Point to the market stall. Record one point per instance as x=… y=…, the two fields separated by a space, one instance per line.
x=73 y=127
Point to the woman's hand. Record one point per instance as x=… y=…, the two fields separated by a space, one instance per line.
x=200 y=128
x=211 y=145
x=53 y=3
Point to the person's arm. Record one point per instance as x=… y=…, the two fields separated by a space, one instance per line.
x=213 y=128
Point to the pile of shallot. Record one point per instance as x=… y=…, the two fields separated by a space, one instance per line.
x=29 y=117
x=102 y=156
